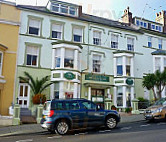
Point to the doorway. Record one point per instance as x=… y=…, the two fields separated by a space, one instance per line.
x=98 y=97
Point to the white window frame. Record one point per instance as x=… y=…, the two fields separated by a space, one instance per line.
x=158 y=67
x=99 y=63
x=55 y=90
x=119 y=64
x=37 y=60
x=60 y=31
x=118 y=92
x=97 y=39
x=72 y=58
x=1 y=64
x=39 y=28
x=160 y=43
x=78 y=34
x=149 y=41
x=114 y=39
x=130 y=41
x=128 y=64
x=57 y=56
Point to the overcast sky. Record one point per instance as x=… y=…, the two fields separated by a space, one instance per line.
x=112 y=9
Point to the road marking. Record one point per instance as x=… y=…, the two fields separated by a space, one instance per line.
x=54 y=137
x=161 y=123
x=126 y=128
x=27 y=140
x=145 y=125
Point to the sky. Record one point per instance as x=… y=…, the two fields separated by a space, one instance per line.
x=112 y=9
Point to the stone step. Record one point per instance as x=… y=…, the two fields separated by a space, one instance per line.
x=25 y=112
x=28 y=120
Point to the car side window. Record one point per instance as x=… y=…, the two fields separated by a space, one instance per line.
x=71 y=106
x=57 y=106
x=89 y=105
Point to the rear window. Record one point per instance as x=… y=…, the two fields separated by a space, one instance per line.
x=65 y=105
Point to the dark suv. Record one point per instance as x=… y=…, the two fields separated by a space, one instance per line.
x=64 y=115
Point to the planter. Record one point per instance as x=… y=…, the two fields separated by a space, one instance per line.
x=39 y=99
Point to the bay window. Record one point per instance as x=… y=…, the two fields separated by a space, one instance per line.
x=57 y=57
x=69 y=58
x=128 y=66
x=119 y=66
x=157 y=64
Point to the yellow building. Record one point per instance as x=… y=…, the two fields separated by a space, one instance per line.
x=9 y=31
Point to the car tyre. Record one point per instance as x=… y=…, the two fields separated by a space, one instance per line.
x=111 y=122
x=62 y=127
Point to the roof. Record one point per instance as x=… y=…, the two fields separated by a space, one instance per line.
x=159 y=52
x=84 y=17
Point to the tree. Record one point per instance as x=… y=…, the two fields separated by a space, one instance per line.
x=155 y=80
x=37 y=85
x=149 y=83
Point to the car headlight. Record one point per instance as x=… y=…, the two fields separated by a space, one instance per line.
x=158 y=110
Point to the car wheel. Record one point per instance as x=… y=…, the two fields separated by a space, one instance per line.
x=111 y=122
x=62 y=127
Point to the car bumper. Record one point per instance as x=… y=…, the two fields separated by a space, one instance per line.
x=151 y=117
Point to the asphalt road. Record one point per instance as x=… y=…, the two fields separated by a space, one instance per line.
x=127 y=132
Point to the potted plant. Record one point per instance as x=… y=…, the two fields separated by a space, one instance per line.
x=37 y=86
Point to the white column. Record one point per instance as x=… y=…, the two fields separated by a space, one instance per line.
x=76 y=59
x=132 y=95
x=62 y=57
x=115 y=68
x=108 y=91
x=124 y=96
x=53 y=58
x=115 y=96
x=162 y=63
x=75 y=90
x=124 y=65
x=132 y=67
x=79 y=91
x=61 y=90
x=89 y=93
x=52 y=91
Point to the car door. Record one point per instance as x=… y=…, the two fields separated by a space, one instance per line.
x=94 y=116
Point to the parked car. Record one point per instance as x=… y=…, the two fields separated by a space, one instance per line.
x=64 y=115
x=156 y=111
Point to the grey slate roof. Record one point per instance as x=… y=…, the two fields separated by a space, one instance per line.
x=159 y=52
x=84 y=17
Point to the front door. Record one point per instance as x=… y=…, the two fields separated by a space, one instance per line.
x=23 y=96
x=98 y=97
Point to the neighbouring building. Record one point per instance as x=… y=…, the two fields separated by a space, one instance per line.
x=87 y=56
x=9 y=30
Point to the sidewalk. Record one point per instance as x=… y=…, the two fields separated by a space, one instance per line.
x=32 y=128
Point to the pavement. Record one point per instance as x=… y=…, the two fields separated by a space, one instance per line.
x=32 y=128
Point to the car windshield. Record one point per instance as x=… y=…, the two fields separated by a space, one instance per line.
x=162 y=101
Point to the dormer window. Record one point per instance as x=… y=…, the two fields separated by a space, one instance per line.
x=64 y=9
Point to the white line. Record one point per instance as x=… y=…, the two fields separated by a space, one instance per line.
x=126 y=128
x=27 y=140
x=145 y=125
x=161 y=123
x=54 y=137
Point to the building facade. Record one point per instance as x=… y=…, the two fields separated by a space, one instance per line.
x=9 y=29
x=87 y=56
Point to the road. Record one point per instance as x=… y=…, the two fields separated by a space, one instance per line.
x=126 y=132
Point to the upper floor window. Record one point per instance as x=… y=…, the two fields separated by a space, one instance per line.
x=119 y=66
x=114 y=41
x=137 y=22
x=69 y=58
x=57 y=57
x=160 y=29
x=1 y=62
x=65 y=9
x=57 y=31
x=130 y=44
x=157 y=64
x=149 y=41
x=128 y=66
x=34 y=27
x=160 y=43
x=77 y=34
x=153 y=27
x=157 y=28
x=145 y=25
x=141 y=24
x=96 y=63
x=97 y=38
x=32 y=55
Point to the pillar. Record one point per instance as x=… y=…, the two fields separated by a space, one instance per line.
x=124 y=96
x=62 y=57
x=39 y=113
x=61 y=90
x=115 y=97
x=75 y=90
x=89 y=93
x=124 y=65
x=16 y=116
x=135 y=106
x=76 y=60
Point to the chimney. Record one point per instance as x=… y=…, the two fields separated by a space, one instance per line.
x=80 y=11
x=161 y=18
x=127 y=16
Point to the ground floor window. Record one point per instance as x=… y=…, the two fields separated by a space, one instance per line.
x=69 y=89
x=56 y=90
x=128 y=97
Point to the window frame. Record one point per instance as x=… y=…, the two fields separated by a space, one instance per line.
x=98 y=63
x=119 y=65
x=97 y=40
x=149 y=41
x=81 y=35
x=114 y=44
x=61 y=32
x=130 y=46
x=70 y=59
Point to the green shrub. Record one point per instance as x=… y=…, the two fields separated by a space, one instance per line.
x=128 y=110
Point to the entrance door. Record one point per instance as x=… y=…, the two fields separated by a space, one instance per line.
x=23 y=95
x=98 y=97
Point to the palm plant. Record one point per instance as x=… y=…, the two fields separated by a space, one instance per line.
x=37 y=85
x=149 y=83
